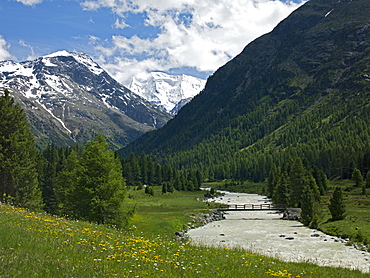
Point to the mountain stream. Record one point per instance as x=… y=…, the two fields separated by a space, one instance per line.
x=265 y=233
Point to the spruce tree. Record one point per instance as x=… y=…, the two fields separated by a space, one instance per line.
x=48 y=178
x=18 y=157
x=91 y=185
x=337 y=206
x=65 y=188
x=368 y=180
x=102 y=188
x=280 y=195
x=321 y=179
x=164 y=187
x=357 y=177
x=298 y=178
x=307 y=205
x=273 y=179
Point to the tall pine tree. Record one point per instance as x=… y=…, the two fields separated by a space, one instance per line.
x=101 y=187
x=90 y=186
x=337 y=206
x=18 y=171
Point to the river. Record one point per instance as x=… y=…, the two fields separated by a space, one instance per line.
x=265 y=233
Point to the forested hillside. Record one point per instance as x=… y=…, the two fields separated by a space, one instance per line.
x=302 y=90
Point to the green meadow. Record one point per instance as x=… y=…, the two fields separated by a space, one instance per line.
x=40 y=245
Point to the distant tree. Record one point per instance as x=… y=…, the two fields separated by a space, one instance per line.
x=177 y=183
x=337 y=206
x=65 y=188
x=280 y=195
x=363 y=189
x=18 y=154
x=149 y=190
x=321 y=179
x=48 y=175
x=164 y=187
x=307 y=205
x=314 y=187
x=273 y=179
x=298 y=178
x=199 y=179
x=357 y=177
x=170 y=187
x=189 y=185
x=368 y=179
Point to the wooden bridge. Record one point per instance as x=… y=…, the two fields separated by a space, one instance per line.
x=253 y=207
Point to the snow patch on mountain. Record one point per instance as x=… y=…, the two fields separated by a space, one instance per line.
x=79 y=57
x=170 y=92
x=61 y=82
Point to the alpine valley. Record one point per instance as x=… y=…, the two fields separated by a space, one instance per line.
x=302 y=90
x=69 y=98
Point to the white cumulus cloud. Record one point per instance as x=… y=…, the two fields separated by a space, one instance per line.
x=4 y=53
x=30 y=2
x=202 y=35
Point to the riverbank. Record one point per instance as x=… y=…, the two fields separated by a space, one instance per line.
x=355 y=228
x=39 y=245
x=267 y=234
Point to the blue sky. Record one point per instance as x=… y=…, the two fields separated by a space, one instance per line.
x=132 y=38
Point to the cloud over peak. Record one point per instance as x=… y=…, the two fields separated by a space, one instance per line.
x=202 y=35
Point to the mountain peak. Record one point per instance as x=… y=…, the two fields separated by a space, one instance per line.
x=68 y=97
x=81 y=58
x=58 y=54
x=170 y=92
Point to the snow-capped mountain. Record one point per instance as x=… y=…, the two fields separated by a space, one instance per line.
x=170 y=92
x=68 y=97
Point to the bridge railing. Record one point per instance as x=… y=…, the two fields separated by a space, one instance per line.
x=256 y=207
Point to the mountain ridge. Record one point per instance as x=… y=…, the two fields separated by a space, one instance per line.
x=278 y=87
x=69 y=98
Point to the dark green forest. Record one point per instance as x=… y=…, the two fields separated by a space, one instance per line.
x=79 y=182
x=302 y=91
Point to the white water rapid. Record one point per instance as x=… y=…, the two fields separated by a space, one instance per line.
x=265 y=233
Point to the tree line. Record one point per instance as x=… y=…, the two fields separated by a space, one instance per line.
x=297 y=185
x=90 y=182
x=87 y=183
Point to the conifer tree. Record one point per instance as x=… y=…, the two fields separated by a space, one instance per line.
x=280 y=195
x=321 y=179
x=368 y=179
x=164 y=187
x=66 y=183
x=337 y=206
x=48 y=177
x=298 y=178
x=273 y=179
x=357 y=177
x=91 y=186
x=102 y=188
x=307 y=205
x=18 y=154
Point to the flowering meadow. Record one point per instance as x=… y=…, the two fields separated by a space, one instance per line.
x=39 y=245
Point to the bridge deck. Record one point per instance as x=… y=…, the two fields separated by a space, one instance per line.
x=253 y=207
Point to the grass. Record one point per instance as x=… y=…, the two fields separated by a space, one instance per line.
x=239 y=186
x=167 y=213
x=356 y=225
x=39 y=245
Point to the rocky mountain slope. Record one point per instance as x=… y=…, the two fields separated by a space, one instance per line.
x=170 y=92
x=69 y=98
x=301 y=90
